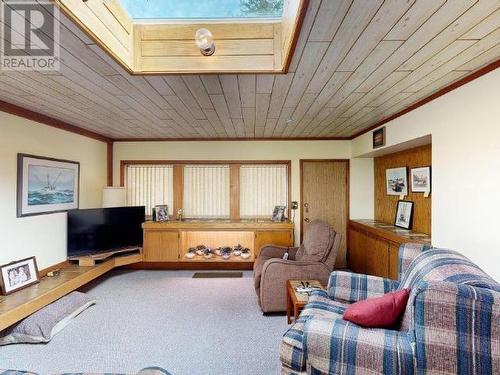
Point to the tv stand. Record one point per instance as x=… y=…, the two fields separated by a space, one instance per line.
x=91 y=259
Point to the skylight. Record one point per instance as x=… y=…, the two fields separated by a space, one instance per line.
x=203 y=9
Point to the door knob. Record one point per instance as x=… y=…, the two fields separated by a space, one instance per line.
x=306 y=207
x=307 y=220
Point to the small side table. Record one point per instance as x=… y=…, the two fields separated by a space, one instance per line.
x=295 y=301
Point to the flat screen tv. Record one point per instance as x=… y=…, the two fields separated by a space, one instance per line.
x=92 y=231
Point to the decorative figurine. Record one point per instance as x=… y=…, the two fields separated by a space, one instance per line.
x=245 y=253
x=237 y=250
x=191 y=253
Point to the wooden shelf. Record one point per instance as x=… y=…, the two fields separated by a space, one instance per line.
x=23 y=303
x=390 y=232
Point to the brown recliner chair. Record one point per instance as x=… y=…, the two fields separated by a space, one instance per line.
x=314 y=259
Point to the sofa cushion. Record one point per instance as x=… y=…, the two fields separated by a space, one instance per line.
x=378 y=312
x=44 y=324
x=318 y=240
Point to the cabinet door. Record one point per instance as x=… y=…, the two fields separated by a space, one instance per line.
x=394 y=261
x=377 y=257
x=357 y=249
x=161 y=246
x=279 y=238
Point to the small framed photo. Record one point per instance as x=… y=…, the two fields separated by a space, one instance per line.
x=160 y=213
x=379 y=137
x=420 y=179
x=397 y=181
x=404 y=215
x=278 y=213
x=18 y=275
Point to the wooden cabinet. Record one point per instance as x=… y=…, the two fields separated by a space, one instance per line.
x=275 y=237
x=170 y=241
x=374 y=246
x=162 y=246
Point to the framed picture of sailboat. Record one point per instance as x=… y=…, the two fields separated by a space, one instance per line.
x=46 y=185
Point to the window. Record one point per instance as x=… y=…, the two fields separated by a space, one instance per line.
x=261 y=188
x=220 y=190
x=206 y=191
x=150 y=185
x=194 y=9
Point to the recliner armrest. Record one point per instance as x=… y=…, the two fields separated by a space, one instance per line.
x=273 y=251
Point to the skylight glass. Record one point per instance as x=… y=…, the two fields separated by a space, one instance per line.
x=203 y=9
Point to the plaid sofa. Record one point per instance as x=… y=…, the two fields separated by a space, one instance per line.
x=451 y=324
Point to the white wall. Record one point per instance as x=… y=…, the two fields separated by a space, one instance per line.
x=235 y=150
x=43 y=236
x=465 y=129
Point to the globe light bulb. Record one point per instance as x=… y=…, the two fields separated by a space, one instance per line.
x=205 y=42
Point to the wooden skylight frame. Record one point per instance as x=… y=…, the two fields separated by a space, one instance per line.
x=168 y=47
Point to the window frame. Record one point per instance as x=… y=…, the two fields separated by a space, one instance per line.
x=234 y=179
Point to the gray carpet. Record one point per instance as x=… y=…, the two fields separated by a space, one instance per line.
x=162 y=318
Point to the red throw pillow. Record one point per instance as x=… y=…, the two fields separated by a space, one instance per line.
x=380 y=312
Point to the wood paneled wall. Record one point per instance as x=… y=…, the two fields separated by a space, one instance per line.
x=385 y=205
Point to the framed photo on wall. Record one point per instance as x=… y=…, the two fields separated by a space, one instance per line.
x=397 y=181
x=404 y=215
x=46 y=185
x=420 y=179
x=379 y=137
x=18 y=275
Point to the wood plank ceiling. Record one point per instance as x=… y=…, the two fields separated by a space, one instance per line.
x=356 y=63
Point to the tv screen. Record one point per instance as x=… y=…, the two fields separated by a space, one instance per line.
x=103 y=229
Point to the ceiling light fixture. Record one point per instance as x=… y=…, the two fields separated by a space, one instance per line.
x=205 y=42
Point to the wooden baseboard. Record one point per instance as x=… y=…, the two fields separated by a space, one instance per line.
x=191 y=266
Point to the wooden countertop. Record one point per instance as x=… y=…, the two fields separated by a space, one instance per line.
x=390 y=232
x=218 y=224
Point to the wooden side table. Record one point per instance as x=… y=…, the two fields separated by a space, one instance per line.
x=295 y=301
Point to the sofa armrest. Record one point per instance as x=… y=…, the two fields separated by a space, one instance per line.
x=273 y=251
x=335 y=346
x=353 y=287
x=455 y=318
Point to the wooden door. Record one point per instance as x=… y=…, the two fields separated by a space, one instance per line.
x=279 y=238
x=161 y=246
x=325 y=196
x=356 y=254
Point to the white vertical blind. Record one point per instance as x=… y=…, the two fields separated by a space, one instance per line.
x=206 y=191
x=261 y=188
x=150 y=185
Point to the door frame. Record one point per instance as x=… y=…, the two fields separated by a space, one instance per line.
x=301 y=177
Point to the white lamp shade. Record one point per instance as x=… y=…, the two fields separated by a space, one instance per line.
x=114 y=197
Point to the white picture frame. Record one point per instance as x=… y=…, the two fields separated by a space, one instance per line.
x=397 y=181
x=420 y=179
x=18 y=275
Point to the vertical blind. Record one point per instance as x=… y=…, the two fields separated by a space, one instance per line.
x=206 y=191
x=261 y=188
x=150 y=185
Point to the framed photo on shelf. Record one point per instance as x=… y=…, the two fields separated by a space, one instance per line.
x=379 y=137
x=404 y=215
x=397 y=181
x=46 y=185
x=18 y=275
x=420 y=180
x=278 y=213
x=160 y=213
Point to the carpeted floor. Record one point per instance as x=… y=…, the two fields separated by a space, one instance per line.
x=162 y=318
